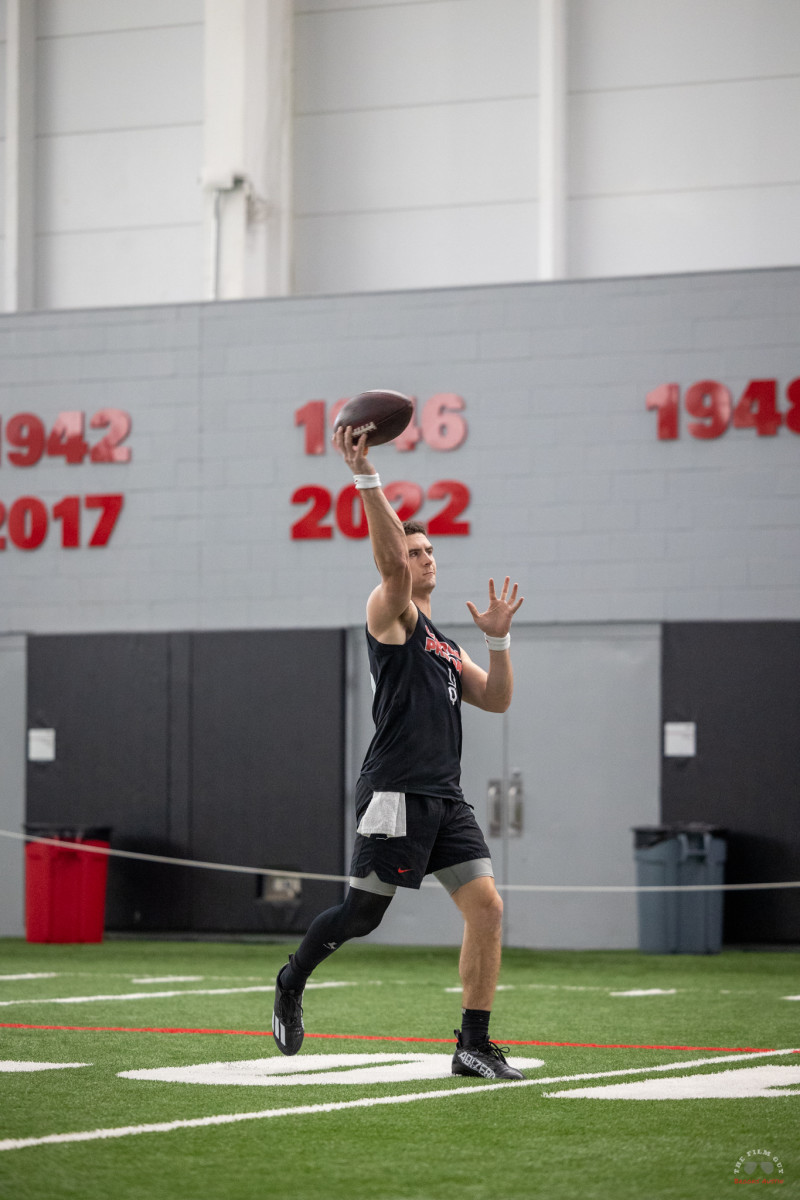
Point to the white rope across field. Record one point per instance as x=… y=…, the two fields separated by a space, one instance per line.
x=279 y=873
x=167 y=860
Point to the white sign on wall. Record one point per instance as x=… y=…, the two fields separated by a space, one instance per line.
x=680 y=739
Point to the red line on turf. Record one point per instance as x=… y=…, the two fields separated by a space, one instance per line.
x=379 y=1037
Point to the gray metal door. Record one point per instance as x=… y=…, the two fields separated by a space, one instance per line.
x=556 y=783
x=577 y=766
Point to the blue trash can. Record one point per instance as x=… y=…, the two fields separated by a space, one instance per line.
x=678 y=855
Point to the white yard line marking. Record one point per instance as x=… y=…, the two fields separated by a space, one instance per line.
x=231 y=1118
x=168 y=979
x=567 y=987
x=91 y=1135
x=270 y=987
x=647 y=992
x=501 y=987
x=8 y=1066
x=30 y=975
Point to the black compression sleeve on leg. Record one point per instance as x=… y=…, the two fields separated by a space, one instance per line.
x=358 y=915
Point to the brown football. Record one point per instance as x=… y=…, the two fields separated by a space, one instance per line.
x=380 y=414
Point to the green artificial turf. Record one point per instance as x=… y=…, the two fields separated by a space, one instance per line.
x=505 y=1142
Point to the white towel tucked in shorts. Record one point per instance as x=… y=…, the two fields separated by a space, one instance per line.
x=385 y=815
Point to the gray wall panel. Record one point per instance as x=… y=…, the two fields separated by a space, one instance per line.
x=12 y=782
x=572 y=492
x=218 y=747
x=739 y=683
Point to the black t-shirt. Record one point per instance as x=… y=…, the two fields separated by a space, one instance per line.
x=417 y=714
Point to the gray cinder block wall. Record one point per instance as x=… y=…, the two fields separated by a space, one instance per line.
x=571 y=490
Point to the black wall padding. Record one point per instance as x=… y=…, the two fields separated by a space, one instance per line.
x=227 y=747
x=740 y=682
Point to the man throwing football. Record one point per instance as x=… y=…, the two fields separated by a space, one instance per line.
x=412 y=817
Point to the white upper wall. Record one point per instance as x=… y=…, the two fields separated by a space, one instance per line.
x=415 y=143
x=682 y=151
x=417 y=140
x=2 y=138
x=119 y=129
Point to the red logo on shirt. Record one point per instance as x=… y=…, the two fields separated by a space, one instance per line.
x=442 y=649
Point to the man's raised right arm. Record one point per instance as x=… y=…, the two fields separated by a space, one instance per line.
x=392 y=597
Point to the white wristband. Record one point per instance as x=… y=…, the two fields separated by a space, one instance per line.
x=367 y=481
x=498 y=643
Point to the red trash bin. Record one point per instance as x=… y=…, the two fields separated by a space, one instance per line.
x=65 y=887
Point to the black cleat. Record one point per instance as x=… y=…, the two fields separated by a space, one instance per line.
x=486 y=1061
x=287 y=1018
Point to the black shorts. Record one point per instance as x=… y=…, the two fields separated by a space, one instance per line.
x=439 y=833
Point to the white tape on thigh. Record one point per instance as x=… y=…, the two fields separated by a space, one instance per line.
x=385 y=815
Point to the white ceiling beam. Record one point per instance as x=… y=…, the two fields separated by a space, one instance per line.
x=552 y=139
x=247 y=147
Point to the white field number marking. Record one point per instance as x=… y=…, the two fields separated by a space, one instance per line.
x=316 y=1069
x=742 y=1083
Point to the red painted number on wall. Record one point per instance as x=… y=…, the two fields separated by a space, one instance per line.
x=710 y=405
x=27 y=521
x=27 y=440
x=407 y=498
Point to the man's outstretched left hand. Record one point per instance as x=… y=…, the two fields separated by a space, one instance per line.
x=496 y=620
